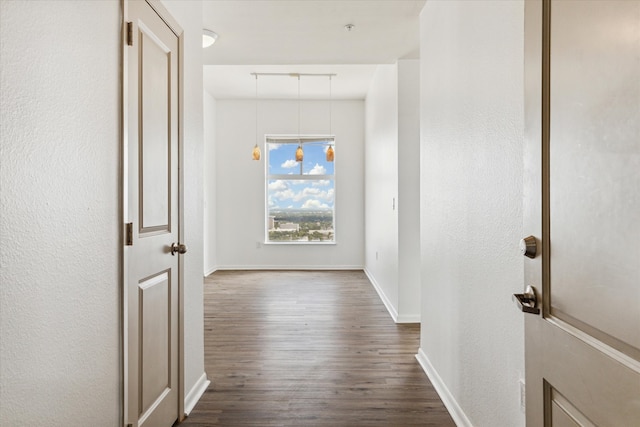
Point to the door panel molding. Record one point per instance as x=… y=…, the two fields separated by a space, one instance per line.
x=154 y=305
x=616 y=349
x=560 y=412
x=154 y=158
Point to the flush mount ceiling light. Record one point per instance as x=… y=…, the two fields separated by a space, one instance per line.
x=208 y=38
x=349 y=27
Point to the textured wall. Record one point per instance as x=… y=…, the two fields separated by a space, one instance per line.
x=471 y=156
x=59 y=298
x=241 y=189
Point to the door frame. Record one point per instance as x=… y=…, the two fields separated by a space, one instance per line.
x=533 y=184
x=164 y=14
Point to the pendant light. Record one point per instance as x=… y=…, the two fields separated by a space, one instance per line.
x=299 y=152
x=330 y=153
x=256 y=150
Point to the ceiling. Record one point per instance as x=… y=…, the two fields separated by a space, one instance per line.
x=305 y=36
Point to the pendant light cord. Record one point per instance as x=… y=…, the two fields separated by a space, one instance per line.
x=256 y=109
x=330 y=107
x=298 y=109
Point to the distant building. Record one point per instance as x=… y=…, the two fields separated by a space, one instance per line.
x=289 y=226
x=272 y=222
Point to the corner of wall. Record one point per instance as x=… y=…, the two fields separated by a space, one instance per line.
x=385 y=300
x=455 y=410
x=195 y=393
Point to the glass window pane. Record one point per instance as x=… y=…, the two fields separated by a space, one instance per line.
x=300 y=210
x=282 y=159
x=315 y=160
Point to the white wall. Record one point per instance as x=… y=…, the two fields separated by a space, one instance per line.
x=392 y=176
x=59 y=253
x=471 y=212
x=241 y=186
x=408 y=204
x=188 y=13
x=381 y=177
x=210 y=185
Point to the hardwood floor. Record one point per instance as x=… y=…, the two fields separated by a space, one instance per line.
x=309 y=348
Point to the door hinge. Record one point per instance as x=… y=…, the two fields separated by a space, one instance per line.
x=130 y=33
x=128 y=231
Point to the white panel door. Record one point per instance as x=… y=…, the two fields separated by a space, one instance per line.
x=582 y=204
x=152 y=205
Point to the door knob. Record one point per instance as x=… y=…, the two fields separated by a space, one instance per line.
x=529 y=247
x=180 y=248
x=527 y=302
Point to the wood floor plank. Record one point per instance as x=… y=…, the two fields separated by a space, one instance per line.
x=309 y=348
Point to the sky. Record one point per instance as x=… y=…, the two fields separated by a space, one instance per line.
x=295 y=193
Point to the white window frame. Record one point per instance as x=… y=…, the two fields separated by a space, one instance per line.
x=294 y=141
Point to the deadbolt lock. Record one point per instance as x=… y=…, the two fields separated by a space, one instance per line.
x=529 y=247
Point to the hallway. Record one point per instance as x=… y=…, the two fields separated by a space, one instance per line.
x=309 y=348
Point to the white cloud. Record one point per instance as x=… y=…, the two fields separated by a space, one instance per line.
x=314 y=204
x=277 y=185
x=289 y=164
x=273 y=146
x=310 y=191
x=284 y=195
x=318 y=170
x=321 y=183
x=282 y=190
x=326 y=195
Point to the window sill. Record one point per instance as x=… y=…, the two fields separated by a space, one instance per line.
x=299 y=243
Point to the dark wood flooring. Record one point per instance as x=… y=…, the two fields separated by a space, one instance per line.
x=309 y=348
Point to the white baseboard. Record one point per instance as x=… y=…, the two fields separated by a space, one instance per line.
x=408 y=318
x=456 y=412
x=210 y=271
x=195 y=393
x=390 y=308
x=290 y=267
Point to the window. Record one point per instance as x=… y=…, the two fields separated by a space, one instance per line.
x=300 y=195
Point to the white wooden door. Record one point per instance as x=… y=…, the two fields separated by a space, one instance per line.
x=582 y=204
x=151 y=268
